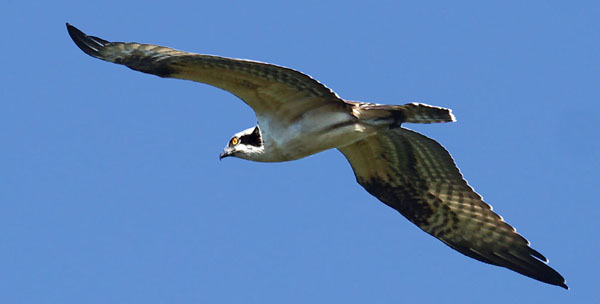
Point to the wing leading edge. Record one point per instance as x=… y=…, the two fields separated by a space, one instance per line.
x=266 y=88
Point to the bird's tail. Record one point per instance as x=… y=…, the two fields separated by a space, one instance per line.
x=396 y=115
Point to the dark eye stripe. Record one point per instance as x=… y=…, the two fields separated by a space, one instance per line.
x=253 y=139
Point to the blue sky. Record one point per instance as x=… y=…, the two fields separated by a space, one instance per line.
x=112 y=191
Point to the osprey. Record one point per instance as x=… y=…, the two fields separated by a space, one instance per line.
x=298 y=116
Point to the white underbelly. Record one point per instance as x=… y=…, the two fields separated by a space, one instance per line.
x=310 y=134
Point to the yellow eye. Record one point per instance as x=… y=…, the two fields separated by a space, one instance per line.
x=235 y=141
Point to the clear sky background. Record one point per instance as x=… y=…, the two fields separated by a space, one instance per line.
x=111 y=190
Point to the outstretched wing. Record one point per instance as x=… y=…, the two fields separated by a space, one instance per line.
x=266 y=88
x=417 y=176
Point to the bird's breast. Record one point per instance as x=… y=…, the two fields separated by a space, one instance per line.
x=310 y=134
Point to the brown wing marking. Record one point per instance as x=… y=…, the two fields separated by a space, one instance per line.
x=416 y=176
x=264 y=87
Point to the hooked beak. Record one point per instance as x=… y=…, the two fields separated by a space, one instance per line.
x=227 y=152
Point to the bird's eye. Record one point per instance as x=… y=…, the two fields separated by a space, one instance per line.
x=235 y=141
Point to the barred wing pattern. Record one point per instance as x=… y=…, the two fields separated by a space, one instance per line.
x=268 y=89
x=416 y=176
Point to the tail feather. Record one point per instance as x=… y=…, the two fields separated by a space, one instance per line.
x=422 y=113
x=396 y=115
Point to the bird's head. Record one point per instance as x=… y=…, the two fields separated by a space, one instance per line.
x=247 y=144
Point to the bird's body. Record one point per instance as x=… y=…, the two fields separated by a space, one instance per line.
x=309 y=134
x=297 y=117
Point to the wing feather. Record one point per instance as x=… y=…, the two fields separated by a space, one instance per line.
x=265 y=87
x=417 y=176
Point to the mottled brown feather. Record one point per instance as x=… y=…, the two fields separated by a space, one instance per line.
x=266 y=88
x=416 y=176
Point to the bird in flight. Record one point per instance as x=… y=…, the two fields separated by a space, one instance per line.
x=298 y=116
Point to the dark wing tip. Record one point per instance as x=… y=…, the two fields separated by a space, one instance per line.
x=89 y=44
x=553 y=277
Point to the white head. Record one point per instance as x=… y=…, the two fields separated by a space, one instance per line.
x=247 y=144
